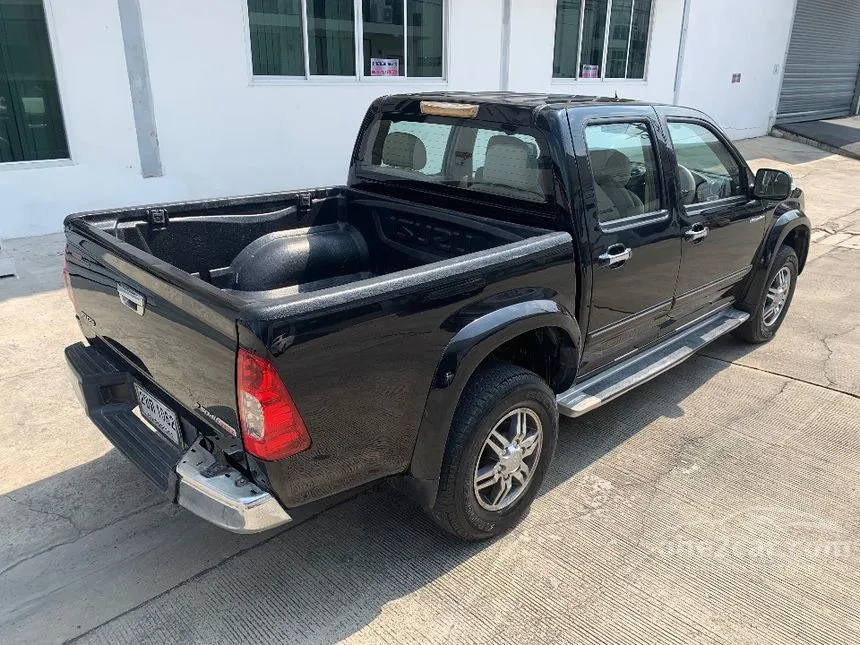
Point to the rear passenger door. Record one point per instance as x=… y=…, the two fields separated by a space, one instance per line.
x=722 y=225
x=634 y=236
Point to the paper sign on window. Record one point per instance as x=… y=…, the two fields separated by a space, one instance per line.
x=384 y=67
x=590 y=71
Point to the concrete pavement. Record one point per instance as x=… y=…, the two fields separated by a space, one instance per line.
x=718 y=503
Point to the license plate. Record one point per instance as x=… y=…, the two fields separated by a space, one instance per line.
x=159 y=415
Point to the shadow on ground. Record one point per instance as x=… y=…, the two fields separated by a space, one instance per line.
x=328 y=577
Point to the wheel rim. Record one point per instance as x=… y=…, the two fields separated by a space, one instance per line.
x=507 y=459
x=777 y=296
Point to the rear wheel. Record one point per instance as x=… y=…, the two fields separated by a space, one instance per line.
x=502 y=440
x=774 y=301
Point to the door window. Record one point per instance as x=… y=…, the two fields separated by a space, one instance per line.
x=624 y=166
x=707 y=171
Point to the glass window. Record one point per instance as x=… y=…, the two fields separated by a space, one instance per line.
x=566 y=38
x=424 y=32
x=390 y=42
x=482 y=159
x=623 y=30
x=510 y=165
x=707 y=171
x=619 y=37
x=331 y=37
x=434 y=139
x=276 y=37
x=639 y=38
x=593 y=24
x=383 y=37
x=624 y=167
x=31 y=122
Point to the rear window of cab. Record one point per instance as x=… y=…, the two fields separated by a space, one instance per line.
x=482 y=158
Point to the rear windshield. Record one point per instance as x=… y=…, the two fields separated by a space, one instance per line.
x=481 y=157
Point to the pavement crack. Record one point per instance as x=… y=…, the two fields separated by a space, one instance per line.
x=78 y=534
x=42 y=511
x=797 y=379
x=826 y=340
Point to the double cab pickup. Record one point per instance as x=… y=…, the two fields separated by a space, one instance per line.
x=494 y=261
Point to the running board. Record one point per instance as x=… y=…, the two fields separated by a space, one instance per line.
x=602 y=388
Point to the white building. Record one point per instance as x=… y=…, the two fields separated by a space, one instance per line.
x=107 y=103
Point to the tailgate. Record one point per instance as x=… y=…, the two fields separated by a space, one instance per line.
x=166 y=330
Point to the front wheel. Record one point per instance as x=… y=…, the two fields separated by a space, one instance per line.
x=774 y=301
x=502 y=440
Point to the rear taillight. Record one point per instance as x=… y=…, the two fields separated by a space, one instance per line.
x=272 y=427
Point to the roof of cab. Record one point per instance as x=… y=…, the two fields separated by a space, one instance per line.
x=518 y=99
x=514 y=108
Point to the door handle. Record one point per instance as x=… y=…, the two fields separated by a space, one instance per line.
x=131 y=299
x=696 y=233
x=615 y=255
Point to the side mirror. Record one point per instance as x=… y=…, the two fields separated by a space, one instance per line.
x=773 y=184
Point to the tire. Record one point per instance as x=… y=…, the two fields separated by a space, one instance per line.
x=497 y=393
x=761 y=326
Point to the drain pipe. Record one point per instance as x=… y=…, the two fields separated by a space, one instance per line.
x=682 y=46
x=504 y=71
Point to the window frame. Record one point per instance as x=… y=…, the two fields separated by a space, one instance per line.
x=643 y=219
x=692 y=209
x=359 y=76
x=53 y=162
x=577 y=78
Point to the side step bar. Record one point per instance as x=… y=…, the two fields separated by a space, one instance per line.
x=615 y=381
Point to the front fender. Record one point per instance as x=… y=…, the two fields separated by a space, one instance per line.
x=461 y=357
x=787 y=219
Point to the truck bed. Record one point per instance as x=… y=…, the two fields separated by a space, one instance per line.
x=281 y=245
x=328 y=284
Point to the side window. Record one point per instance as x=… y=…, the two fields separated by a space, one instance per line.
x=432 y=137
x=707 y=171
x=624 y=166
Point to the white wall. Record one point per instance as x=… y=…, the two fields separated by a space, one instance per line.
x=220 y=134
x=532 y=49
x=225 y=136
x=736 y=37
x=96 y=103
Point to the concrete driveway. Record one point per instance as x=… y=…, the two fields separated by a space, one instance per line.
x=718 y=503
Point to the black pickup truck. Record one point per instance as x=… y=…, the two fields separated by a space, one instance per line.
x=494 y=260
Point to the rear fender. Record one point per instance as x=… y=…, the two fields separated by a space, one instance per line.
x=464 y=353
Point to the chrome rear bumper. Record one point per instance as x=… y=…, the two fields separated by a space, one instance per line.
x=223 y=496
x=193 y=478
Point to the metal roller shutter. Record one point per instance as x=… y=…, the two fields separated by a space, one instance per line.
x=823 y=61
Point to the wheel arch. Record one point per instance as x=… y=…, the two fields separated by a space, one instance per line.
x=497 y=335
x=790 y=227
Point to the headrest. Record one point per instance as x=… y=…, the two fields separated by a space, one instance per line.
x=511 y=162
x=404 y=150
x=610 y=166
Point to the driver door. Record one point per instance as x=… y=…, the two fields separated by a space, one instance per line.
x=722 y=225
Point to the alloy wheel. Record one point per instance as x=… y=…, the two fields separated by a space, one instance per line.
x=777 y=296
x=508 y=459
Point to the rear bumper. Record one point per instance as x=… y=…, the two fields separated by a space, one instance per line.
x=194 y=479
x=224 y=496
